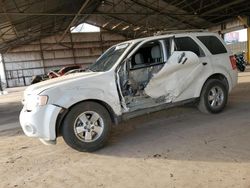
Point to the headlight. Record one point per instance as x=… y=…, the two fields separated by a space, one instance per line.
x=32 y=101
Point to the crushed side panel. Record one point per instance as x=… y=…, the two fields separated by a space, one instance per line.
x=178 y=73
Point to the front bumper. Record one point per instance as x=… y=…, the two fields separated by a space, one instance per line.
x=40 y=122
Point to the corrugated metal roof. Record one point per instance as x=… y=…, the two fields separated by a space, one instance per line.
x=22 y=21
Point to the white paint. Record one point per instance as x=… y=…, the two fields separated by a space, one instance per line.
x=118 y=47
x=42 y=120
x=64 y=92
x=181 y=78
x=176 y=75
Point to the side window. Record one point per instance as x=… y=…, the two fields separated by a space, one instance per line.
x=213 y=44
x=188 y=44
x=149 y=54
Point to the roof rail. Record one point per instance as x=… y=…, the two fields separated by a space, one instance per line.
x=179 y=31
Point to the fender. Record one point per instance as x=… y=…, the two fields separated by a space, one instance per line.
x=220 y=71
x=91 y=88
x=195 y=89
x=68 y=99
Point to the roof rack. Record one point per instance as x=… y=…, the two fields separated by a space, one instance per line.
x=179 y=31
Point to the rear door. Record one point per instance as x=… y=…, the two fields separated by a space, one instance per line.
x=219 y=56
x=184 y=71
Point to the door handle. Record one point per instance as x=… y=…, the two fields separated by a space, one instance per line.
x=204 y=63
x=181 y=57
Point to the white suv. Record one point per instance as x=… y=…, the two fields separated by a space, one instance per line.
x=130 y=79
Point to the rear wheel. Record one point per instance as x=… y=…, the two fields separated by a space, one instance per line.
x=213 y=98
x=87 y=126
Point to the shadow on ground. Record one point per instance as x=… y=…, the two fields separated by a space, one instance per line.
x=177 y=134
x=186 y=134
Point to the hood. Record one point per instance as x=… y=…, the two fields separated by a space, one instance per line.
x=55 y=82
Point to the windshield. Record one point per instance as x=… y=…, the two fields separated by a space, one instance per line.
x=109 y=58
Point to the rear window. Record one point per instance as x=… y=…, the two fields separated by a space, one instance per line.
x=188 y=44
x=213 y=44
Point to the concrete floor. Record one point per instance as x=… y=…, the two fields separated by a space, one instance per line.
x=10 y=107
x=180 y=147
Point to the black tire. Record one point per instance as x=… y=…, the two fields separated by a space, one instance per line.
x=69 y=131
x=204 y=103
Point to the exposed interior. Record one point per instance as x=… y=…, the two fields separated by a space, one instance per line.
x=155 y=59
x=137 y=72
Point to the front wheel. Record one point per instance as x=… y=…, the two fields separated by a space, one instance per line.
x=213 y=98
x=87 y=126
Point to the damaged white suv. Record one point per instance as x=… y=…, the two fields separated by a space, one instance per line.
x=130 y=79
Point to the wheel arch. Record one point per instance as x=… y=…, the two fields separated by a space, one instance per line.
x=220 y=77
x=114 y=118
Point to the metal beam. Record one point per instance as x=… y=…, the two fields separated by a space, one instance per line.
x=117 y=13
x=169 y=16
x=126 y=21
x=159 y=12
x=22 y=7
x=232 y=14
x=244 y=21
x=215 y=9
x=248 y=39
x=128 y=35
x=224 y=31
x=205 y=6
x=74 y=19
x=156 y=13
x=8 y=18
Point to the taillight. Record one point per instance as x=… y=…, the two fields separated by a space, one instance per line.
x=233 y=62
